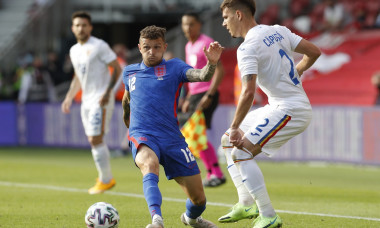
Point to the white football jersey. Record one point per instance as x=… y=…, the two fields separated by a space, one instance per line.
x=267 y=52
x=90 y=62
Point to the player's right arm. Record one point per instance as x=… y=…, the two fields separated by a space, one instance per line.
x=310 y=55
x=126 y=108
x=246 y=98
x=73 y=90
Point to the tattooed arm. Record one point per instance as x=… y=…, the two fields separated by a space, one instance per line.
x=126 y=108
x=201 y=75
x=205 y=74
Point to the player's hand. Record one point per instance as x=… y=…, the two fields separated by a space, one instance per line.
x=66 y=104
x=236 y=138
x=204 y=103
x=213 y=52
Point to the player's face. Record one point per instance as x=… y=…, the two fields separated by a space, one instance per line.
x=152 y=51
x=191 y=28
x=82 y=29
x=231 y=22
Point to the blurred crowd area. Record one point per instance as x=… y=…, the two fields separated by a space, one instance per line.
x=37 y=78
x=310 y=18
x=46 y=77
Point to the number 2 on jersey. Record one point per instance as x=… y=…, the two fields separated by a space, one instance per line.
x=258 y=128
x=132 y=82
x=291 y=73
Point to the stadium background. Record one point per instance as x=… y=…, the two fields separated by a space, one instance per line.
x=344 y=127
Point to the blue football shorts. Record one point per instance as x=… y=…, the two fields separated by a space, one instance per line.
x=175 y=157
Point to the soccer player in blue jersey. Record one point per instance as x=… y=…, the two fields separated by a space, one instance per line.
x=152 y=90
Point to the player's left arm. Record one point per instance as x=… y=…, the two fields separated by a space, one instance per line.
x=205 y=74
x=126 y=108
x=115 y=75
x=310 y=54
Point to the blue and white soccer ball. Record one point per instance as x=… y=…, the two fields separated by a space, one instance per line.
x=102 y=215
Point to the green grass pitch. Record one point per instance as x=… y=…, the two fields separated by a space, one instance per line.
x=47 y=188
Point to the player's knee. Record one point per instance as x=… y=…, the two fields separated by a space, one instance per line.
x=95 y=140
x=148 y=167
x=240 y=155
x=225 y=140
x=227 y=147
x=147 y=163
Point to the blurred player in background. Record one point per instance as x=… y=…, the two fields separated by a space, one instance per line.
x=150 y=112
x=265 y=56
x=121 y=52
x=202 y=95
x=91 y=58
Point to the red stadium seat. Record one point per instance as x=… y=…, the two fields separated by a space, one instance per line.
x=372 y=6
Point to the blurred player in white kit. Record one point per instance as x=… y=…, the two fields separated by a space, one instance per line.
x=91 y=58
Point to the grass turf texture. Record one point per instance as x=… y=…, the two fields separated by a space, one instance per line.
x=29 y=197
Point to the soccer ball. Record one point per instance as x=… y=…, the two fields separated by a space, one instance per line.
x=102 y=215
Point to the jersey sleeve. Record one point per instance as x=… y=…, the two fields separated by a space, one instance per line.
x=181 y=67
x=72 y=59
x=126 y=78
x=247 y=59
x=105 y=53
x=294 y=39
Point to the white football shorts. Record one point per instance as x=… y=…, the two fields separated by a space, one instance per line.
x=271 y=127
x=96 y=119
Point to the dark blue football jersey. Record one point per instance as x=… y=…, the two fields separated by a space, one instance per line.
x=154 y=93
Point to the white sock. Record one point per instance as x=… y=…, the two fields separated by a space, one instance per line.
x=254 y=182
x=245 y=197
x=190 y=221
x=101 y=156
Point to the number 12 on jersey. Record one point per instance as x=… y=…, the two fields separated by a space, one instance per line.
x=132 y=82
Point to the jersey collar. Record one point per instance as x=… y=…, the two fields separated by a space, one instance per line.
x=143 y=66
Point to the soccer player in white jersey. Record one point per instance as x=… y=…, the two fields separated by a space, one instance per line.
x=265 y=58
x=91 y=57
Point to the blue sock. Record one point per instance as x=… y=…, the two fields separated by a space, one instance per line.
x=194 y=211
x=152 y=193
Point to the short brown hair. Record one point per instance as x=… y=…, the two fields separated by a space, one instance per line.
x=81 y=14
x=153 y=33
x=239 y=5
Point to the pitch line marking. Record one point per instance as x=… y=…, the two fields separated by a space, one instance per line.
x=66 y=189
